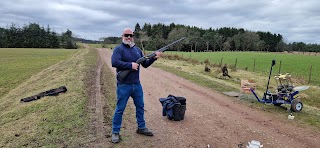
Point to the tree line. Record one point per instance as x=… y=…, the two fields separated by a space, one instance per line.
x=34 y=36
x=154 y=36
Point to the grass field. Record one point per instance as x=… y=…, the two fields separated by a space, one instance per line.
x=297 y=64
x=100 y=45
x=60 y=121
x=17 y=65
x=95 y=45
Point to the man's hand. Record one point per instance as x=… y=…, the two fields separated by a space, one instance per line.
x=134 y=66
x=158 y=54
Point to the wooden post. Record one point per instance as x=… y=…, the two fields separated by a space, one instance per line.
x=221 y=61
x=254 y=65
x=310 y=74
x=235 y=64
x=280 y=67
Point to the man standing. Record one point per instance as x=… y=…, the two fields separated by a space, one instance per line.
x=124 y=57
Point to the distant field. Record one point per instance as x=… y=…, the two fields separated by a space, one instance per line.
x=18 y=64
x=100 y=45
x=95 y=45
x=296 y=64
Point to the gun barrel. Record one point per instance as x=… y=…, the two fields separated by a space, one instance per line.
x=165 y=47
x=121 y=75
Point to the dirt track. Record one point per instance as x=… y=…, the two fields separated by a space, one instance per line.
x=211 y=119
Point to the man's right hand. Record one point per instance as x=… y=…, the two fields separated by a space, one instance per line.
x=134 y=66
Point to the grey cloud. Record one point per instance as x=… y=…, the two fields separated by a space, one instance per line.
x=295 y=20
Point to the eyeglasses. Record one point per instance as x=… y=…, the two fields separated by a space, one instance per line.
x=127 y=35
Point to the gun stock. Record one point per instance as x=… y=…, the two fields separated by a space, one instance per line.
x=121 y=75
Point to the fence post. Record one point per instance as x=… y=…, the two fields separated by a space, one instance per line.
x=280 y=67
x=235 y=64
x=310 y=74
x=221 y=61
x=254 y=65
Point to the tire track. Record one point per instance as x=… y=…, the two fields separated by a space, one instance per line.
x=95 y=105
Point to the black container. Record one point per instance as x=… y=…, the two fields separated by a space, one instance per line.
x=179 y=109
x=182 y=100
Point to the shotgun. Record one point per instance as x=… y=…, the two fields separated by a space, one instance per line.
x=121 y=75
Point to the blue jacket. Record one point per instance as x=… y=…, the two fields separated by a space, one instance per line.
x=167 y=105
x=122 y=57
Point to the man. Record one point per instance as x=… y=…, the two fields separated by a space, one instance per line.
x=123 y=58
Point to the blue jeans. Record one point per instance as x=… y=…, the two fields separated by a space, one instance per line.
x=124 y=91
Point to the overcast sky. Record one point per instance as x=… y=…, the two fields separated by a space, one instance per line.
x=296 y=21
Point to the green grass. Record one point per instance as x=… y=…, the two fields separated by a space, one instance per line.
x=55 y=121
x=100 y=45
x=296 y=64
x=95 y=45
x=17 y=64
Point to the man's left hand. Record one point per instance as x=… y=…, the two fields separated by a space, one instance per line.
x=158 y=54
